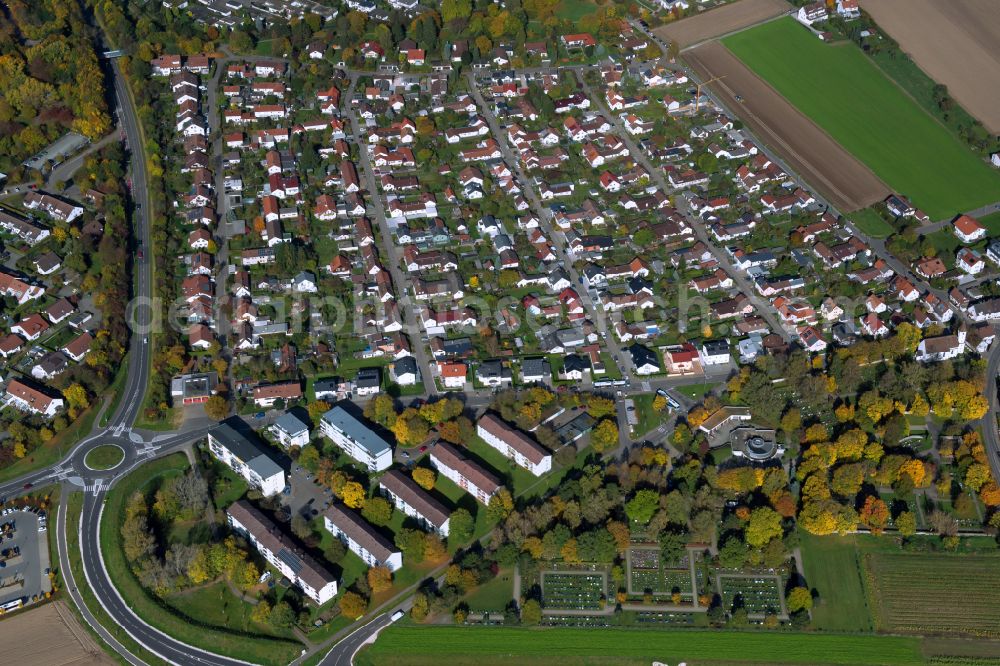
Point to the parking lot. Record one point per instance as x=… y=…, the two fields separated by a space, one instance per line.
x=31 y=562
x=303 y=495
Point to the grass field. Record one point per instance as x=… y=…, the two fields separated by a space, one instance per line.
x=190 y=629
x=839 y=88
x=831 y=568
x=461 y=646
x=493 y=595
x=871 y=223
x=992 y=223
x=107 y=456
x=574 y=10
x=935 y=592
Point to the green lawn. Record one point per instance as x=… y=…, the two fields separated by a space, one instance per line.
x=191 y=629
x=848 y=96
x=215 y=605
x=696 y=391
x=870 y=222
x=107 y=456
x=459 y=646
x=832 y=569
x=574 y=10
x=649 y=418
x=992 y=223
x=493 y=595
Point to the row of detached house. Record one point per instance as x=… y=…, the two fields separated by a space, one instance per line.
x=41 y=316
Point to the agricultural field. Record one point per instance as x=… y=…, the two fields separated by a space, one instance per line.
x=760 y=594
x=942 y=38
x=934 y=592
x=806 y=148
x=572 y=591
x=49 y=634
x=846 y=95
x=721 y=21
x=473 y=646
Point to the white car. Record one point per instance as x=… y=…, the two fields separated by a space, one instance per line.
x=397 y=615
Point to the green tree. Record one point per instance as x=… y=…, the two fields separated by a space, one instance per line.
x=531 y=612
x=642 y=506
x=281 y=616
x=764 y=525
x=799 y=598
x=460 y=526
x=377 y=511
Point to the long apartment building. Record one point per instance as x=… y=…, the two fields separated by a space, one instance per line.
x=363 y=539
x=466 y=474
x=278 y=549
x=414 y=501
x=356 y=438
x=246 y=459
x=514 y=444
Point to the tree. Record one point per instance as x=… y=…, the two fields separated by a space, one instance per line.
x=424 y=477
x=353 y=494
x=906 y=523
x=261 y=612
x=799 y=598
x=379 y=579
x=874 y=514
x=642 y=506
x=604 y=436
x=764 y=525
x=381 y=410
x=420 y=607
x=599 y=407
x=500 y=506
x=316 y=409
x=531 y=612
x=216 y=407
x=353 y=605
x=377 y=511
x=281 y=616
x=76 y=397
x=460 y=526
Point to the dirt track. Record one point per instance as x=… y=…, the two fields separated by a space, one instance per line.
x=49 y=635
x=822 y=162
x=721 y=21
x=957 y=42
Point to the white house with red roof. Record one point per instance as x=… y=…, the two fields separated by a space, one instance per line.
x=968 y=229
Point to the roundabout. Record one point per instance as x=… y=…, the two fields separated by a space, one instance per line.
x=104 y=457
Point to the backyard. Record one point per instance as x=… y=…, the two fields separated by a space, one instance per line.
x=840 y=89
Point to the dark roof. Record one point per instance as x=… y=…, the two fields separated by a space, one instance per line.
x=245 y=450
x=514 y=438
x=268 y=535
x=404 y=487
x=360 y=531
x=643 y=355
x=450 y=457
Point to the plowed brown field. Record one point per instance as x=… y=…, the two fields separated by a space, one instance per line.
x=956 y=42
x=721 y=21
x=843 y=180
x=49 y=635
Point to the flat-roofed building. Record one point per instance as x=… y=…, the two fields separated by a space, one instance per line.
x=514 y=444
x=356 y=438
x=414 y=501
x=281 y=552
x=290 y=430
x=466 y=474
x=363 y=539
x=247 y=459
